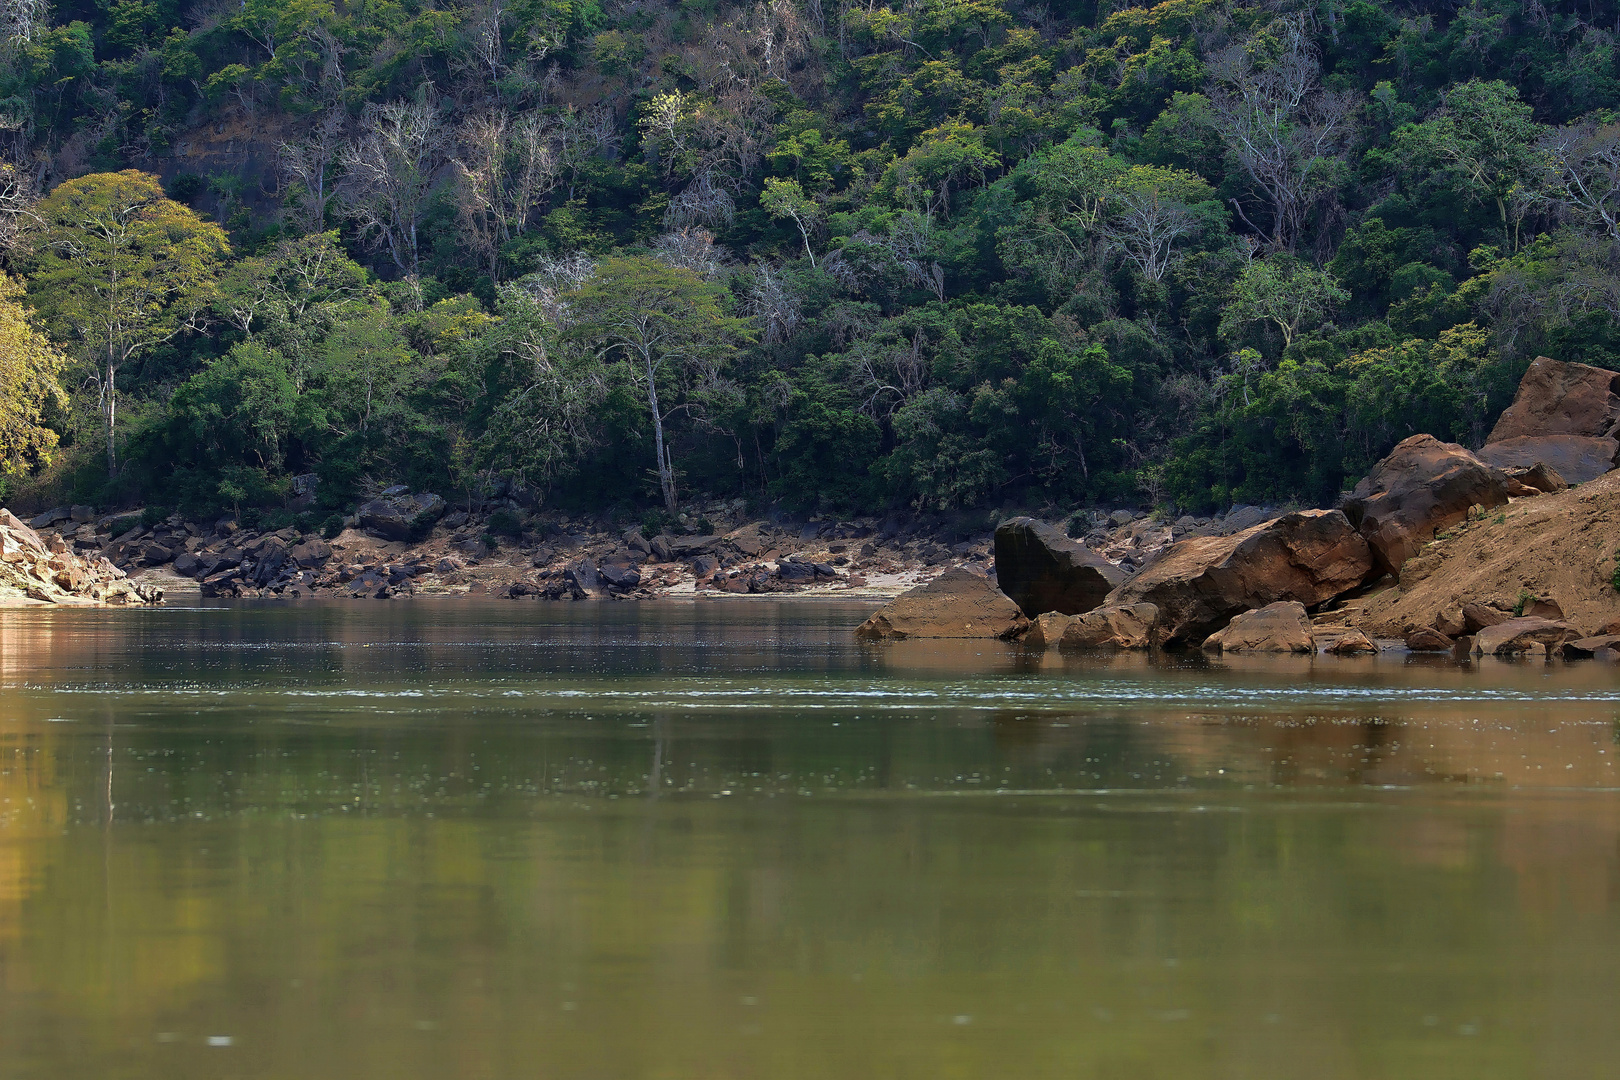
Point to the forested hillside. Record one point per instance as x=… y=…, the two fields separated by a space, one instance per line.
x=947 y=254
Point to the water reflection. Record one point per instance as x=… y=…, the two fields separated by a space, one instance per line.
x=715 y=840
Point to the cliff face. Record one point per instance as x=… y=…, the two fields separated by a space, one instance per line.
x=38 y=570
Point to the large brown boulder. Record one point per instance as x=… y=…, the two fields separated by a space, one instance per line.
x=1557 y=398
x=1575 y=458
x=1423 y=486
x=1128 y=627
x=1517 y=635
x=1280 y=627
x=1043 y=570
x=1200 y=583
x=960 y=603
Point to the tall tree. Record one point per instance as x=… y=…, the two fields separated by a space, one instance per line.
x=670 y=328
x=28 y=367
x=122 y=270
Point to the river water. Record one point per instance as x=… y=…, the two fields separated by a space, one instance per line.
x=723 y=840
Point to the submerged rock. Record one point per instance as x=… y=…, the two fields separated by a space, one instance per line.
x=1200 y=583
x=1283 y=627
x=1043 y=570
x=960 y=603
x=1422 y=487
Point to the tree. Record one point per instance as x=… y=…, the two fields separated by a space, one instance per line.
x=1484 y=139
x=1284 y=132
x=1281 y=291
x=294 y=294
x=1148 y=209
x=1581 y=173
x=786 y=199
x=388 y=174
x=668 y=326
x=123 y=269
x=28 y=367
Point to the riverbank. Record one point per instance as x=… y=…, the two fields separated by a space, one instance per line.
x=718 y=551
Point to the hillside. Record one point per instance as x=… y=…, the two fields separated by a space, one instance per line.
x=952 y=256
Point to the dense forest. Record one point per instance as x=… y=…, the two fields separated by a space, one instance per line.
x=944 y=254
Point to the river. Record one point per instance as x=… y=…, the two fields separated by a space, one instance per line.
x=715 y=840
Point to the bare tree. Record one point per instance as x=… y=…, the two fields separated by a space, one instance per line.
x=21 y=19
x=1284 y=131
x=1581 y=177
x=505 y=170
x=773 y=303
x=308 y=163
x=388 y=174
x=692 y=248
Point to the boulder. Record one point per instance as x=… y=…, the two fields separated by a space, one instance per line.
x=960 y=603
x=82 y=514
x=1477 y=616
x=620 y=575
x=1428 y=639
x=1046 y=629
x=1581 y=648
x=187 y=564
x=311 y=553
x=1350 y=643
x=397 y=516
x=799 y=573
x=1422 y=487
x=1574 y=459
x=636 y=542
x=1518 y=635
x=1537 y=479
x=1043 y=570
x=1200 y=583
x=1283 y=627
x=50 y=517
x=583 y=578
x=1557 y=398
x=1128 y=626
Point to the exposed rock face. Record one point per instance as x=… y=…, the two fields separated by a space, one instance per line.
x=1043 y=570
x=1518 y=635
x=1128 y=627
x=29 y=566
x=1574 y=458
x=1557 y=398
x=394 y=516
x=1283 y=627
x=960 y=603
x=1422 y=487
x=1199 y=584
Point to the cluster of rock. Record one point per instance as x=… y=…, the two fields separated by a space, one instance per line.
x=47 y=569
x=744 y=560
x=1255 y=589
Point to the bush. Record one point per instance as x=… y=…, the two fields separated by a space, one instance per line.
x=505 y=523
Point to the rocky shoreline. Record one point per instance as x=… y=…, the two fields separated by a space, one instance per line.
x=1439 y=549
x=1437 y=546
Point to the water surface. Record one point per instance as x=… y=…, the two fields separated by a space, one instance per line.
x=722 y=840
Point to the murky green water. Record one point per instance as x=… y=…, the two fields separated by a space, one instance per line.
x=721 y=840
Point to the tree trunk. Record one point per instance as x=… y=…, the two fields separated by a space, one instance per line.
x=111 y=412
x=666 y=472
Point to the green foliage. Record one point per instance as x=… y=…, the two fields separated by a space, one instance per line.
x=952 y=254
